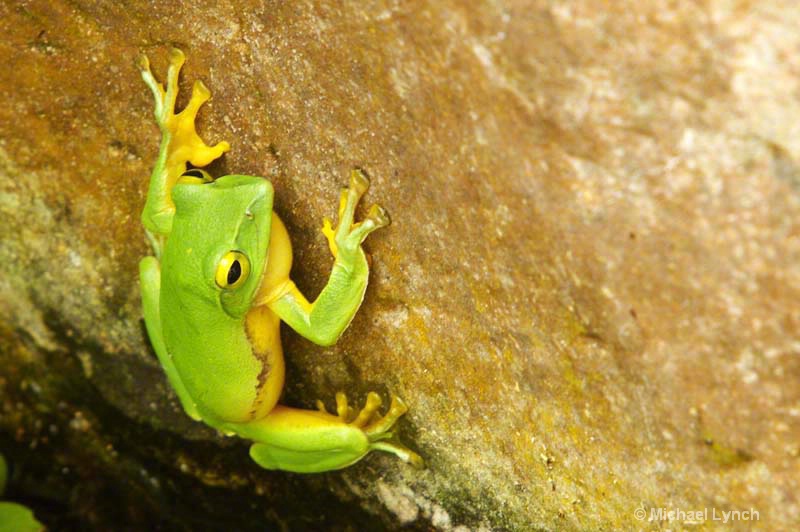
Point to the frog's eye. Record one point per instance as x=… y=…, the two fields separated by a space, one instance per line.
x=195 y=176
x=233 y=270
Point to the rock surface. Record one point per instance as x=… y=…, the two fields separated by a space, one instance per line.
x=588 y=296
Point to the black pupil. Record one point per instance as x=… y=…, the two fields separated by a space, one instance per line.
x=235 y=272
x=194 y=173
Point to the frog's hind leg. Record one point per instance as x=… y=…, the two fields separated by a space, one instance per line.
x=150 y=281
x=310 y=441
x=305 y=441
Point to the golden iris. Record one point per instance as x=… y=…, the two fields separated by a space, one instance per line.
x=233 y=270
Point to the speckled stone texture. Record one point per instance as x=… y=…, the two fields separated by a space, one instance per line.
x=588 y=295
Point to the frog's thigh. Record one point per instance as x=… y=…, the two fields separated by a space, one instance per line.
x=305 y=441
x=150 y=283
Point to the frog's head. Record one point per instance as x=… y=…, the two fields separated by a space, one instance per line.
x=219 y=241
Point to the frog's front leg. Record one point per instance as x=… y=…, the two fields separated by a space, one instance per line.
x=179 y=143
x=312 y=441
x=324 y=320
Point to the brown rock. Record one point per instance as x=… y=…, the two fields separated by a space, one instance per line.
x=588 y=296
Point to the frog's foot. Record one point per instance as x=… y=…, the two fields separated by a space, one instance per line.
x=181 y=139
x=348 y=236
x=377 y=428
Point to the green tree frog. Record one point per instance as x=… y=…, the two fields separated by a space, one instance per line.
x=218 y=286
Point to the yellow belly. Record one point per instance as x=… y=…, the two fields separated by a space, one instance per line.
x=263 y=325
x=263 y=331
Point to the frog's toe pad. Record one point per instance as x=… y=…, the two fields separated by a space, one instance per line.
x=379 y=216
x=359 y=182
x=378 y=428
